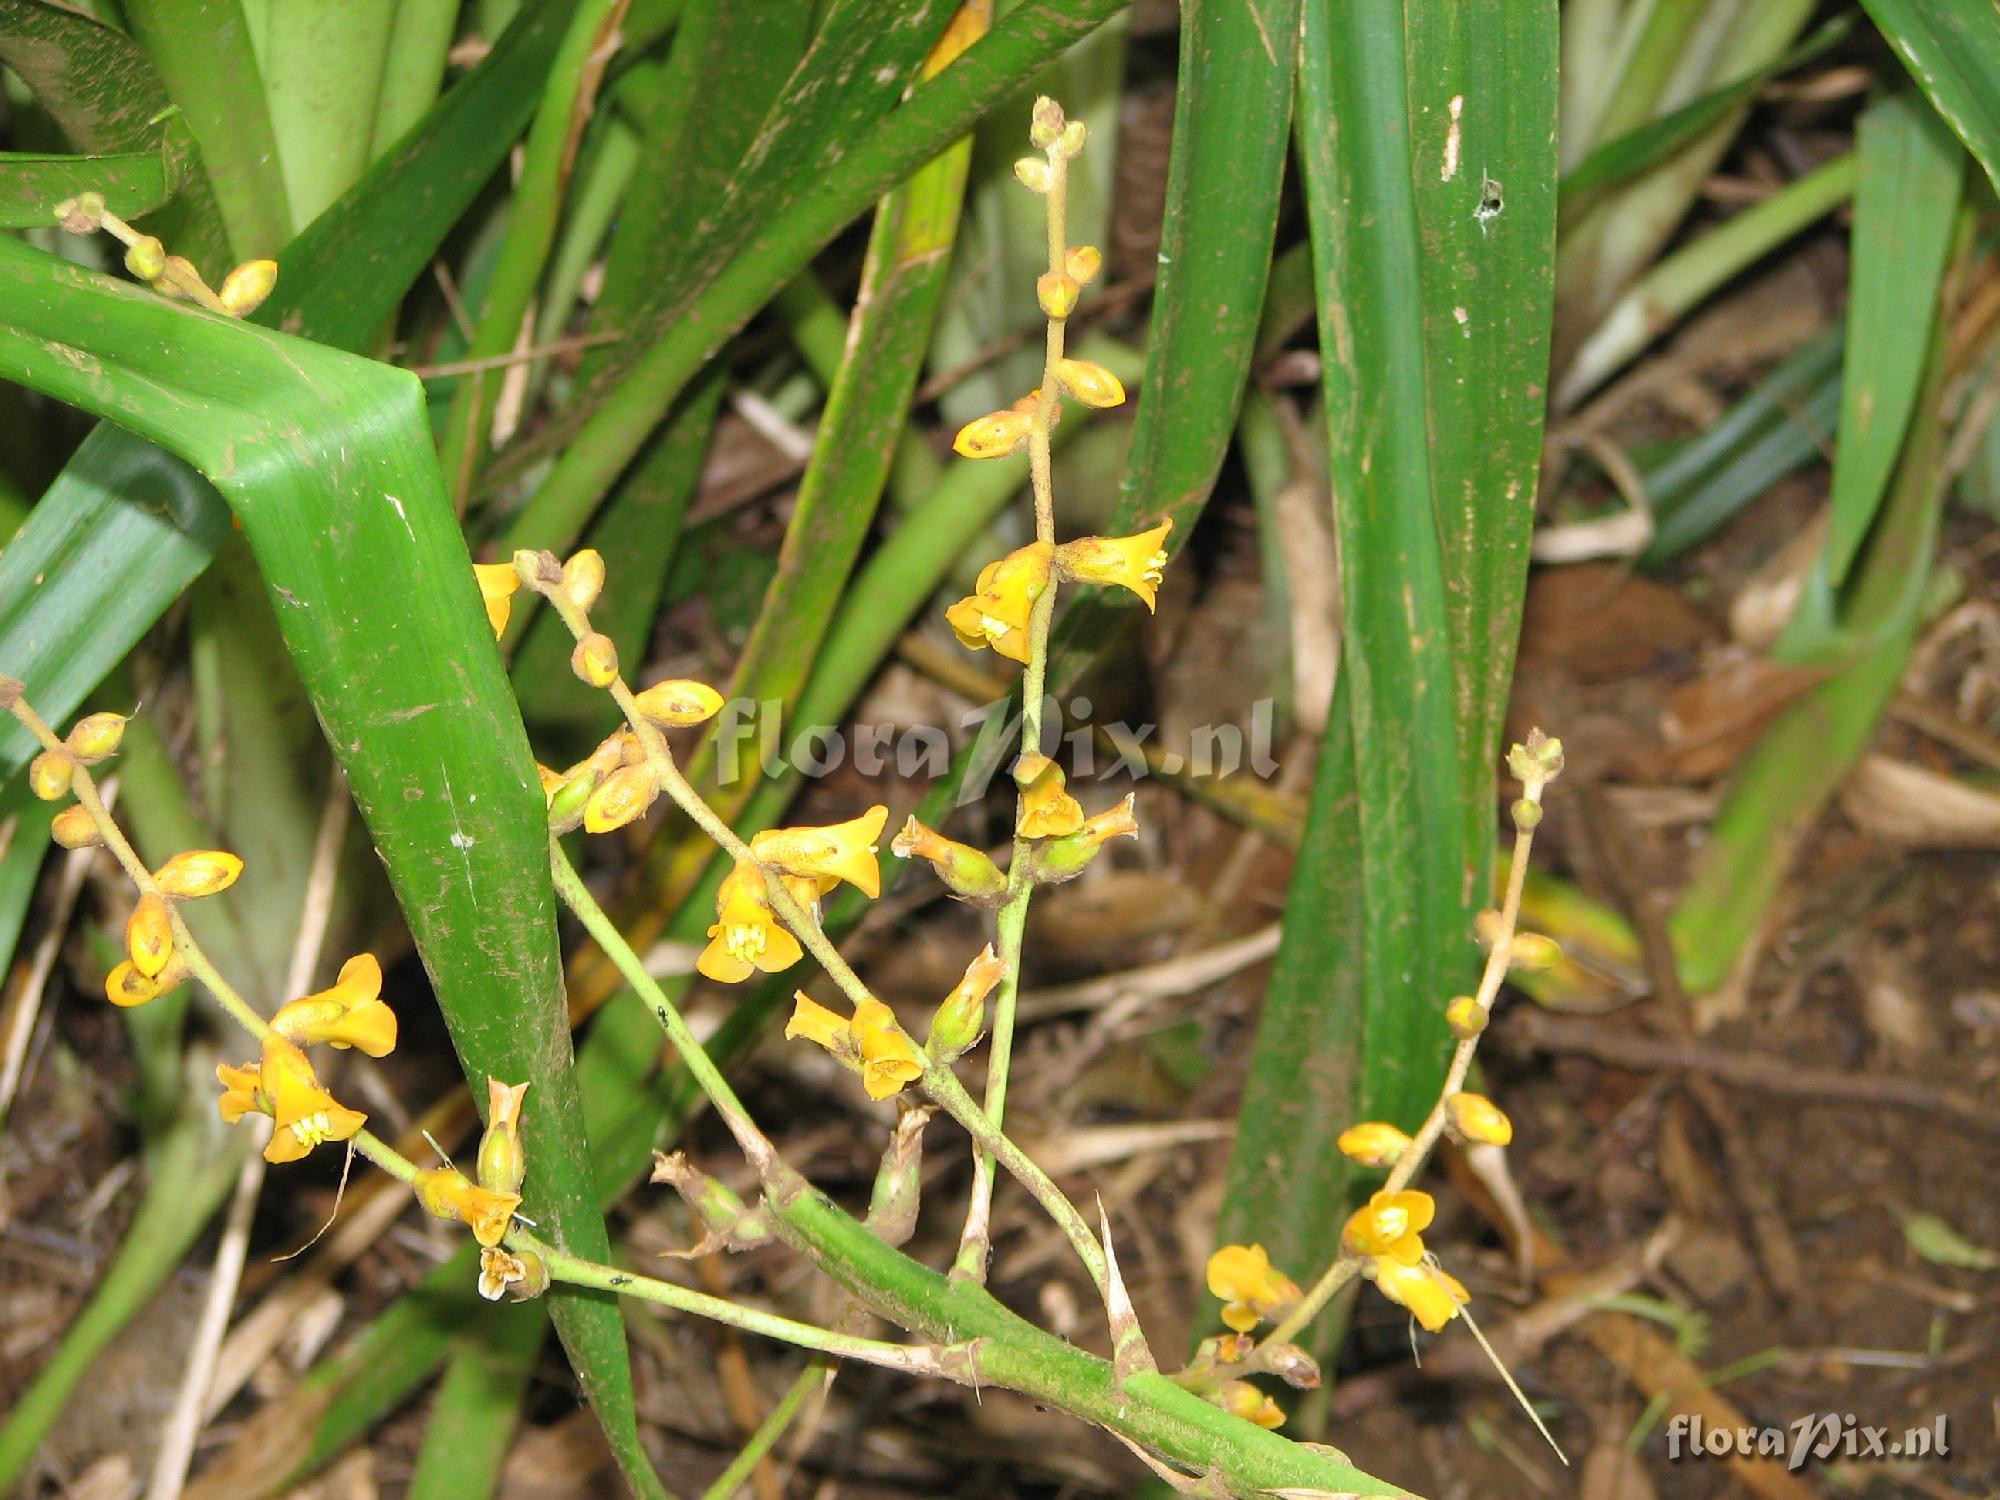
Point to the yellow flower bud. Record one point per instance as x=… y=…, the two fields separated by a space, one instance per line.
x=146 y=258
x=1536 y=761
x=994 y=435
x=959 y=1020
x=1083 y=263
x=1478 y=1118
x=966 y=871
x=1034 y=174
x=1066 y=858
x=95 y=737
x=1070 y=142
x=49 y=773
x=497 y=585
x=1531 y=953
x=1057 y=291
x=1373 y=1144
x=74 y=828
x=198 y=872
x=149 y=935
x=1466 y=1017
x=679 y=700
x=244 y=289
x=583 y=578
x=622 y=796
x=1045 y=122
x=1091 y=384
x=126 y=986
x=595 y=660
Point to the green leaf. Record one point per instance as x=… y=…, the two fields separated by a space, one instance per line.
x=810 y=204
x=1803 y=757
x=1933 y=1239
x=322 y=82
x=133 y=183
x=472 y=1421
x=1433 y=231
x=126 y=528
x=1911 y=172
x=210 y=71
x=343 y=505
x=104 y=94
x=1953 y=51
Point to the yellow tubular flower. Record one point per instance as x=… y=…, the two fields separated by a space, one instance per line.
x=198 y=872
x=287 y=1089
x=889 y=1059
x=1390 y=1224
x=840 y=851
x=962 y=1015
x=498 y=583
x=997 y=613
x=1138 y=563
x=1432 y=1296
x=994 y=435
x=816 y=1023
x=747 y=936
x=348 y=1014
x=1375 y=1144
x=1250 y=1288
x=1047 y=810
x=126 y=986
x=448 y=1193
x=1478 y=1118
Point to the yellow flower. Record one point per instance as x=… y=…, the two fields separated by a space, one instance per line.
x=1047 y=810
x=198 y=872
x=1479 y=1119
x=747 y=935
x=448 y=1193
x=840 y=851
x=502 y=1163
x=1251 y=1404
x=498 y=583
x=829 y=1028
x=244 y=289
x=1390 y=1225
x=966 y=871
x=583 y=578
x=889 y=1059
x=1138 y=563
x=284 y=1086
x=595 y=659
x=1375 y=1144
x=149 y=935
x=348 y=1014
x=996 y=614
x=95 y=737
x=1432 y=1296
x=994 y=435
x=49 y=774
x=1250 y=1288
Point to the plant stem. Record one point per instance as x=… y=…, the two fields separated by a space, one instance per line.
x=975 y=1246
x=953 y=1361
x=576 y=895
x=773 y=1427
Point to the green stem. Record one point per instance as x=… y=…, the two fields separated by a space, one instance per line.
x=920 y=1359
x=773 y=1427
x=975 y=1244
x=576 y=896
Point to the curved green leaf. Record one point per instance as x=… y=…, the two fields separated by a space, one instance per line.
x=327 y=462
x=1952 y=49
